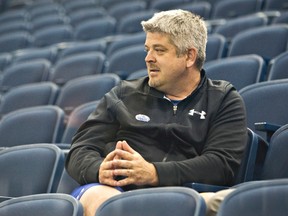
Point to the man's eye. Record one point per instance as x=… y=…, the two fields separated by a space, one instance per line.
x=159 y=50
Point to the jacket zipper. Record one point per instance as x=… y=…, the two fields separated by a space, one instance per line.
x=175 y=109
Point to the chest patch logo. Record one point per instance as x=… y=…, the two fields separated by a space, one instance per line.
x=202 y=114
x=143 y=118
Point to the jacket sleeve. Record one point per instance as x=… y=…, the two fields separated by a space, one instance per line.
x=222 y=152
x=92 y=140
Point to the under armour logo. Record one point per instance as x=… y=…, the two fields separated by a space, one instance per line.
x=193 y=111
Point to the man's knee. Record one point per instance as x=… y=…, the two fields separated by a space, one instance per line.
x=95 y=196
x=215 y=201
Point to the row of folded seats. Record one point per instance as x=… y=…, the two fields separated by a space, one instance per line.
x=53 y=25
x=101 y=56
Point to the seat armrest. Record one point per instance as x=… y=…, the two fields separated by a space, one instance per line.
x=200 y=187
x=267 y=127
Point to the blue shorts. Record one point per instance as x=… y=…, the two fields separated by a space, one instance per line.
x=78 y=192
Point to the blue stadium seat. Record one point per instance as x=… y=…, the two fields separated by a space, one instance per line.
x=21 y=73
x=259 y=41
x=30 y=169
x=39 y=124
x=78 y=65
x=29 y=95
x=117 y=62
x=241 y=71
x=42 y=204
x=263 y=198
x=278 y=67
x=155 y=201
x=85 y=89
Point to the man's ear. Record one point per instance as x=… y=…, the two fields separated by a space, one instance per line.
x=191 y=57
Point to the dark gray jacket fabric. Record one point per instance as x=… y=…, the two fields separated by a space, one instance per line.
x=202 y=139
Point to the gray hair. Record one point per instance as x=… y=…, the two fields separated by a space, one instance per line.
x=185 y=30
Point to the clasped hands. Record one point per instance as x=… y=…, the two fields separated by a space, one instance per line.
x=129 y=164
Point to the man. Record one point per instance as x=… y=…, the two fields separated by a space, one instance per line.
x=172 y=127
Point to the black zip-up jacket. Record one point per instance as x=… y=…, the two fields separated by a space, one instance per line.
x=202 y=139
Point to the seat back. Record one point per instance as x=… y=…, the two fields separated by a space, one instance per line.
x=216 y=47
x=228 y=9
x=25 y=72
x=67 y=184
x=131 y=23
x=258 y=41
x=78 y=116
x=14 y=41
x=123 y=8
x=85 y=89
x=83 y=47
x=278 y=67
x=53 y=35
x=30 y=169
x=40 y=124
x=42 y=204
x=117 y=62
x=76 y=66
x=276 y=160
x=266 y=102
x=166 y=201
x=241 y=71
x=82 y=15
x=29 y=95
x=263 y=198
x=234 y=26
x=95 y=28
x=49 y=53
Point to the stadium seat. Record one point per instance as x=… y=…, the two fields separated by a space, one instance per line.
x=230 y=9
x=15 y=26
x=155 y=201
x=280 y=5
x=83 y=47
x=48 y=53
x=78 y=116
x=77 y=65
x=241 y=71
x=47 y=21
x=95 y=28
x=122 y=9
x=39 y=124
x=86 y=14
x=25 y=72
x=263 y=198
x=234 y=26
x=85 y=89
x=201 y=8
x=67 y=184
x=131 y=23
x=53 y=35
x=125 y=41
x=216 y=47
x=278 y=67
x=29 y=95
x=117 y=62
x=266 y=103
x=5 y=60
x=163 y=5
x=15 y=41
x=30 y=169
x=259 y=41
x=42 y=204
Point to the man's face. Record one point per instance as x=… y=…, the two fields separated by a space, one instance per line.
x=165 y=68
